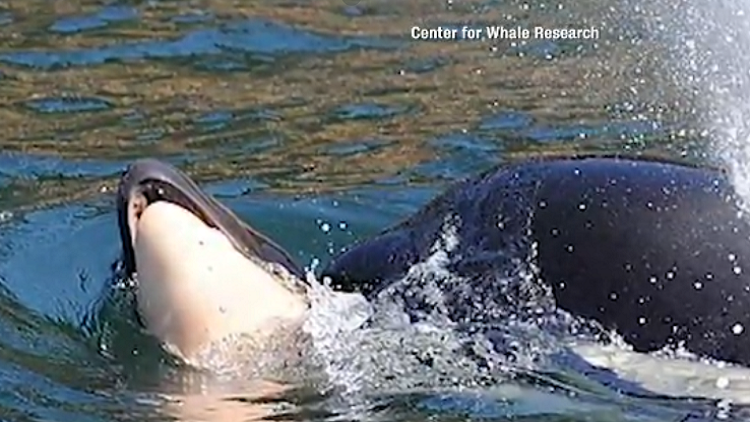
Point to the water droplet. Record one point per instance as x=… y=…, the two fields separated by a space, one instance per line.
x=722 y=383
x=554 y=232
x=737 y=329
x=642 y=320
x=732 y=257
x=342 y=225
x=325 y=227
x=652 y=279
x=737 y=270
x=582 y=207
x=613 y=296
x=698 y=285
x=569 y=248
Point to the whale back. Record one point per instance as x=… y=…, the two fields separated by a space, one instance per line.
x=658 y=251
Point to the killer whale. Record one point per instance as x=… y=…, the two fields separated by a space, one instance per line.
x=655 y=249
x=203 y=275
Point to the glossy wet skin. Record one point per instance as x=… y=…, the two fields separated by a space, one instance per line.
x=202 y=274
x=659 y=251
x=147 y=181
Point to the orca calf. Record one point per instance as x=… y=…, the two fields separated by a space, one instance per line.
x=203 y=275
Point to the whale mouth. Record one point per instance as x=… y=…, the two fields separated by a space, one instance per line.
x=148 y=181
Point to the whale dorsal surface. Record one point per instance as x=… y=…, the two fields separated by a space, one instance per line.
x=659 y=251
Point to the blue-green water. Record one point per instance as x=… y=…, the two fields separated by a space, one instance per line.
x=320 y=124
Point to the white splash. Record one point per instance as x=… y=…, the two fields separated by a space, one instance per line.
x=333 y=322
x=710 y=64
x=5 y=216
x=674 y=374
x=376 y=346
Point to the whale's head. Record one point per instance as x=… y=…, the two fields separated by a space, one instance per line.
x=201 y=273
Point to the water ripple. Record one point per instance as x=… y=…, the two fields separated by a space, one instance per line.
x=459 y=155
x=250 y=37
x=627 y=129
x=109 y=14
x=5 y=19
x=426 y=65
x=215 y=120
x=194 y=17
x=508 y=120
x=68 y=104
x=220 y=119
x=354 y=147
x=367 y=111
x=23 y=165
x=235 y=188
x=551 y=50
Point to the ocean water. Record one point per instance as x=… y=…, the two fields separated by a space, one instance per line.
x=321 y=124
